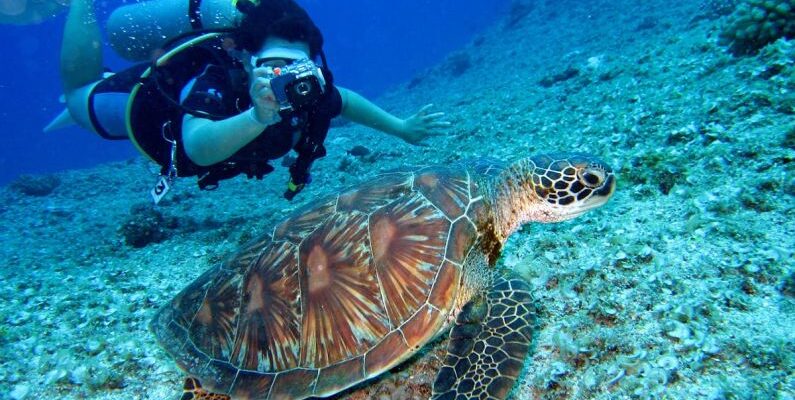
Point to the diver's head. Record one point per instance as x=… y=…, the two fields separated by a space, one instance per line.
x=282 y=21
x=278 y=52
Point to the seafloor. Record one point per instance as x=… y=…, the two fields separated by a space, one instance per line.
x=681 y=287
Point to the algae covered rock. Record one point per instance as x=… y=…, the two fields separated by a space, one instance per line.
x=787 y=285
x=35 y=185
x=755 y=23
x=146 y=225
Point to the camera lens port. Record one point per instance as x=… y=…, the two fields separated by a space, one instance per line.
x=303 y=88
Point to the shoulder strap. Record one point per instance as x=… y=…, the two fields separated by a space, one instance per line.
x=195 y=14
x=211 y=52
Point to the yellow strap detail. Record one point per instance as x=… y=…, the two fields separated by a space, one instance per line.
x=254 y=2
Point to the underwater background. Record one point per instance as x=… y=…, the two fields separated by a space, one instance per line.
x=681 y=287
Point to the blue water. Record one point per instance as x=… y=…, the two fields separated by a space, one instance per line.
x=371 y=46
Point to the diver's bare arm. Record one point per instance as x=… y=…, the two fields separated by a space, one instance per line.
x=208 y=142
x=414 y=129
x=360 y=110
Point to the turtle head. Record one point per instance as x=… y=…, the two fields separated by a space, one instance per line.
x=549 y=188
x=567 y=185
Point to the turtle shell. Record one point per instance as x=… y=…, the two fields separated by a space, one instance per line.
x=337 y=293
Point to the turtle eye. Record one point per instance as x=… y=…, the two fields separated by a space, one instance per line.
x=592 y=177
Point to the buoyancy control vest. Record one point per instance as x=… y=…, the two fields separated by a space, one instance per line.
x=154 y=115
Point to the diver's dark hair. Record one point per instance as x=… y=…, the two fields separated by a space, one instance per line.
x=279 y=18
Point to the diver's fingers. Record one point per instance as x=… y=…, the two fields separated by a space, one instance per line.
x=439 y=124
x=262 y=72
x=262 y=91
x=429 y=117
x=259 y=95
x=260 y=84
x=436 y=132
x=424 y=109
x=266 y=98
x=265 y=102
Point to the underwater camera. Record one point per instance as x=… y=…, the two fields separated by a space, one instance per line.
x=297 y=85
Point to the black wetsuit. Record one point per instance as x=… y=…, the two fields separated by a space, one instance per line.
x=304 y=131
x=153 y=119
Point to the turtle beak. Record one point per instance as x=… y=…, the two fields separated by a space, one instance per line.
x=597 y=199
x=607 y=189
x=601 y=195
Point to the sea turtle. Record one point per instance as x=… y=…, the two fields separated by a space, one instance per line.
x=347 y=288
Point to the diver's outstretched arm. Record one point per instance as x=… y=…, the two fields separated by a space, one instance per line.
x=81 y=51
x=413 y=129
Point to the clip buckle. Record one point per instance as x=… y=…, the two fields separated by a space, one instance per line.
x=164 y=182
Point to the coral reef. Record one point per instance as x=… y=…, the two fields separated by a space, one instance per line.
x=756 y=23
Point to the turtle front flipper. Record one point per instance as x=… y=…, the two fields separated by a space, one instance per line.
x=488 y=344
x=192 y=390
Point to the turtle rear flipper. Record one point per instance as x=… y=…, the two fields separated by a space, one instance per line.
x=488 y=344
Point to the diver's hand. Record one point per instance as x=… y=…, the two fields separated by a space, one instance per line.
x=265 y=107
x=423 y=124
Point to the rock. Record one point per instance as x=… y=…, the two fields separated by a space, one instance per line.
x=79 y=375
x=519 y=10
x=34 y=185
x=458 y=63
x=567 y=74
x=54 y=376
x=145 y=225
x=20 y=391
x=647 y=23
x=359 y=151
x=93 y=347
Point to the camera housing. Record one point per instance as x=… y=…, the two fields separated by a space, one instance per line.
x=298 y=85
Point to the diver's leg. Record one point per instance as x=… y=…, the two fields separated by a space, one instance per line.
x=81 y=51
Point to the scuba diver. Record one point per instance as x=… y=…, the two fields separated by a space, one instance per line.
x=219 y=102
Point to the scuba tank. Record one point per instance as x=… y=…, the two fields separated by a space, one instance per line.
x=136 y=31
